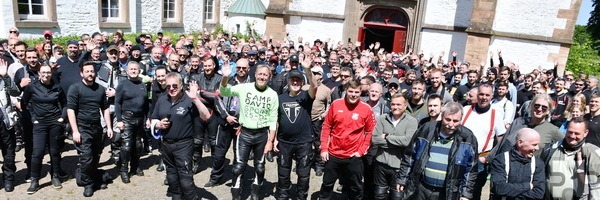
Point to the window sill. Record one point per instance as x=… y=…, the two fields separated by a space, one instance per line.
x=36 y=24
x=172 y=25
x=115 y=25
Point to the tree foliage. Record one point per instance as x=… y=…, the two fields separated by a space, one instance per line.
x=583 y=58
x=593 y=26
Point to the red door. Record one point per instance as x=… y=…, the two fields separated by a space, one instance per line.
x=361 y=37
x=399 y=40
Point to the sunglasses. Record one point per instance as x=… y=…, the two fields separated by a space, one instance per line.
x=244 y=68
x=147 y=43
x=13 y=31
x=182 y=55
x=123 y=52
x=538 y=106
x=578 y=84
x=127 y=45
x=172 y=86
x=82 y=44
x=318 y=63
x=345 y=76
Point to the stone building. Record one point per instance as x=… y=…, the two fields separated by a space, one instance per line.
x=530 y=33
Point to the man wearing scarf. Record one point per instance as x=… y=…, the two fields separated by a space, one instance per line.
x=572 y=165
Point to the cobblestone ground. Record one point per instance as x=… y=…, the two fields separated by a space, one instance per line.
x=150 y=186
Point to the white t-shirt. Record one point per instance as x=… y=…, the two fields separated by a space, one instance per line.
x=479 y=124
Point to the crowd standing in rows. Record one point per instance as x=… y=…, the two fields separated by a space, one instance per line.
x=386 y=125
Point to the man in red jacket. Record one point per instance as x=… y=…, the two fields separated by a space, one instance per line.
x=345 y=138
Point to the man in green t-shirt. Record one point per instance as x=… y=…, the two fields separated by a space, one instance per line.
x=258 y=119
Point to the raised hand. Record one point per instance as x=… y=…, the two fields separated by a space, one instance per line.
x=226 y=70
x=192 y=91
x=307 y=62
x=3 y=67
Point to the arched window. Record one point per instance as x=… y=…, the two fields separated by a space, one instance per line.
x=384 y=16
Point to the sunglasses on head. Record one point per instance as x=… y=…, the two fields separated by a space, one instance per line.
x=538 y=106
x=172 y=86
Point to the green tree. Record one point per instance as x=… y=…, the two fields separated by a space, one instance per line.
x=593 y=26
x=583 y=58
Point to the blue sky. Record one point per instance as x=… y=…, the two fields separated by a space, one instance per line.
x=584 y=12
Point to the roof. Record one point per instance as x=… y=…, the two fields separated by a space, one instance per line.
x=252 y=7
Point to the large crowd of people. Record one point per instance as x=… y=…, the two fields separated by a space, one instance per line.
x=385 y=125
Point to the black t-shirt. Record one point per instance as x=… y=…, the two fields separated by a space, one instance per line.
x=182 y=114
x=87 y=101
x=594 y=128
x=68 y=73
x=294 y=118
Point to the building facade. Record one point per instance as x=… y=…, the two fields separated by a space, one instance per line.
x=530 y=33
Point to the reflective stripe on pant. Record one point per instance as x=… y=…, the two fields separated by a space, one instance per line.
x=131 y=145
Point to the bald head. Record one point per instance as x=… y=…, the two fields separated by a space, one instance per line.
x=528 y=141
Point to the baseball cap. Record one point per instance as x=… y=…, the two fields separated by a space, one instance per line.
x=252 y=52
x=393 y=83
x=112 y=47
x=47 y=32
x=294 y=58
x=295 y=73
x=72 y=42
x=317 y=70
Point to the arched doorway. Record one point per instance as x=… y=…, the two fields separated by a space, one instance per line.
x=384 y=25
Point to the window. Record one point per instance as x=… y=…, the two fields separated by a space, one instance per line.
x=208 y=9
x=31 y=9
x=169 y=10
x=110 y=8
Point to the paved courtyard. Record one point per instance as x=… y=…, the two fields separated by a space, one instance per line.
x=149 y=186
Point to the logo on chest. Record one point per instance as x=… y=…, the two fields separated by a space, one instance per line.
x=180 y=111
x=354 y=116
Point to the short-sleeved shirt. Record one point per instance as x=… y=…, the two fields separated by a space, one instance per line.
x=295 y=125
x=87 y=101
x=182 y=113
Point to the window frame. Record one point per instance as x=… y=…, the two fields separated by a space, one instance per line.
x=46 y=20
x=177 y=20
x=122 y=21
x=212 y=11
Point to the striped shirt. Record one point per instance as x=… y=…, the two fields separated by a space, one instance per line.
x=435 y=169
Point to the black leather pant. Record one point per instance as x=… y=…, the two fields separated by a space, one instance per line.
x=89 y=151
x=383 y=177
x=301 y=154
x=177 y=155
x=255 y=141
x=223 y=137
x=131 y=145
x=7 y=144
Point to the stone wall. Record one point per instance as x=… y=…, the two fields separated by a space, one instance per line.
x=525 y=53
x=449 y=12
x=435 y=41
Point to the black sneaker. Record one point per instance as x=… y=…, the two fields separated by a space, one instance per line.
x=34 y=187
x=125 y=177
x=210 y=184
x=56 y=184
x=270 y=156
x=88 y=191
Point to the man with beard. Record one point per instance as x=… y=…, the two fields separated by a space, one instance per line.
x=131 y=106
x=68 y=67
x=571 y=164
x=594 y=120
x=223 y=141
x=460 y=95
x=84 y=100
x=23 y=77
x=345 y=139
x=365 y=84
x=392 y=135
x=501 y=103
x=294 y=136
x=208 y=82
x=428 y=169
x=416 y=103
x=434 y=108
x=258 y=110
x=253 y=62
x=518 y=174
x=454 y=85
x=136 y=53
x=437 y=87
x=486 y=124
x=174 y=66
x=155 y=60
